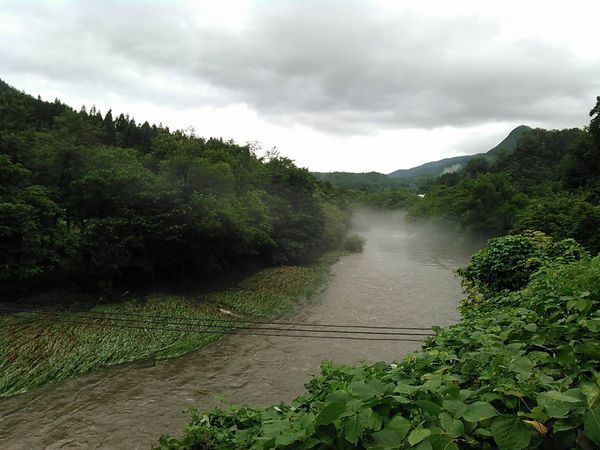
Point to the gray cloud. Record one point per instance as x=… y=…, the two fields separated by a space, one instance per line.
x=338 y=67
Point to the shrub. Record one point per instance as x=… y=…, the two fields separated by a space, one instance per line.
x=508 y=262
x=354 y=243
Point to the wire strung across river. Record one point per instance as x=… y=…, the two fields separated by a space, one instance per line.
x=220 y=332
x=217 y=326
x=228 y=320
x=216 y=329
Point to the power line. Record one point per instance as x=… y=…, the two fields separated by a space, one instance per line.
x=225 y=332
x=230 y=321
x=219 y=326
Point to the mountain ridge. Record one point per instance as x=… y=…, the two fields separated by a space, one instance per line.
x=440 y=166
x=373 y=181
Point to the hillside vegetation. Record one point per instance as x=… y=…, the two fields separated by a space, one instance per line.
x=368 y=181
x=94 y=201
x=549 y=182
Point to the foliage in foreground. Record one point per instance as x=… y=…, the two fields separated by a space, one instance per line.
x=37 y=349
x=520 y=370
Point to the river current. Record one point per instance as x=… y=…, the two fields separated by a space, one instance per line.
x=403 y=278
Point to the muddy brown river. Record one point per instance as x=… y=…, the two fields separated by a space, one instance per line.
x=403 y=278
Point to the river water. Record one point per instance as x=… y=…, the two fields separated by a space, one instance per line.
x=402 y=278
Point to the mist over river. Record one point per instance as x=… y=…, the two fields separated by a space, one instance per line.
x=403 y=278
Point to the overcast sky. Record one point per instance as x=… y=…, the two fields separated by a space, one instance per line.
x=334 y=85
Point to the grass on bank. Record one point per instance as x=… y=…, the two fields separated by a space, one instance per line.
x=36 y=349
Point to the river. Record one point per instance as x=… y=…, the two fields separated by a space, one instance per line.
x=402 y=278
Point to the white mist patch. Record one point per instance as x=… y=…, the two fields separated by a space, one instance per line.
x=453 y=168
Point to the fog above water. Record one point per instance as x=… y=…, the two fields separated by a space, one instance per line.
x=404 y=277
x=380 y=225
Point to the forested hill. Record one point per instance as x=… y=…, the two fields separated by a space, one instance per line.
x=549 y=182
x=93 y=199
x=366 y=181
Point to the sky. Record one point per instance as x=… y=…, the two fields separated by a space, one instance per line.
x=350 y=85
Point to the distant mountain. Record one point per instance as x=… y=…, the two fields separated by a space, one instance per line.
x=368 y=181
x=436 y=168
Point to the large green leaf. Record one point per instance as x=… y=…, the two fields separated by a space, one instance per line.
x=591 y=424
x=400 y=425
x=369 y=419
x=570 y=396
x=393 y=434
x=387 y=438
x=442 y=441
x=510 y=433
x=353 y=429
x=432 y=408
x=453 y=426
x=591 y=349
x=361 y=390
x=479 y=411
x=591 y=392
x=521 y=365
x=418 y=435
x=424 y=445
x=404 y=388
x=330 y=412
x=454 y=407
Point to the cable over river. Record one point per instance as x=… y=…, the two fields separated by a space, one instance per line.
x=402 y=279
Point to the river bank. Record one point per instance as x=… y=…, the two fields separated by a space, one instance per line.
x=402 y=278
x=37 y=348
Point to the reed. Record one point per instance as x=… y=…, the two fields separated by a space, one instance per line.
x=37 y=348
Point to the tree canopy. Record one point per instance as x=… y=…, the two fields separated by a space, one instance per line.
x=94 y=199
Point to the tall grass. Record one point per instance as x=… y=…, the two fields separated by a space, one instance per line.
x=37 y=349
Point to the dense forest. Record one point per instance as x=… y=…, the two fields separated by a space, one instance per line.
x=94 y=200
x=368 y=181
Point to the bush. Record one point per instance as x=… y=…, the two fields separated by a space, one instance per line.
x=354 y=243
x=508 y=262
